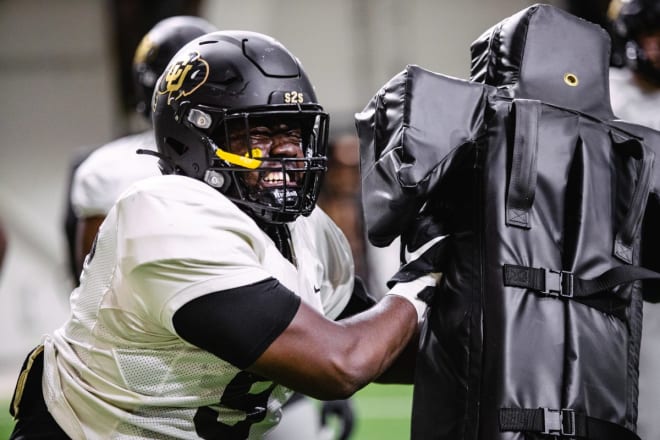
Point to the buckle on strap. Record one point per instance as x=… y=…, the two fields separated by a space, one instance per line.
x=558 y=283
x=559 y=422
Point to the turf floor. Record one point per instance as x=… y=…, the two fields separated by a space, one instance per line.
x=382 y=413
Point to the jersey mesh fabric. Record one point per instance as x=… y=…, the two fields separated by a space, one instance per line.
x=86 y=306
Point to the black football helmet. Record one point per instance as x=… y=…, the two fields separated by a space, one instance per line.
x=156 y=49
x=633 y=18
x=225 y=83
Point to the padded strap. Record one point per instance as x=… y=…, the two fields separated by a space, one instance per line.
x=623 y=242
x=565 y=284
x=522 y=182
x=562 y=423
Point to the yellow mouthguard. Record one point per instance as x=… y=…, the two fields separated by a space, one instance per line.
x=242 y=161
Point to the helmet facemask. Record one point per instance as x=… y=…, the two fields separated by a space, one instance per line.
x=270 y=160
x=641 y=60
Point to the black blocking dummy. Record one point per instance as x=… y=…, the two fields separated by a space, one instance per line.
x=552 y=209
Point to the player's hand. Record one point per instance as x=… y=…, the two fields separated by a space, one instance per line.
x=343 y=410
x=423 y=249
x=423 y=253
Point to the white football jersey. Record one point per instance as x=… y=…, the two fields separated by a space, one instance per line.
x=632 y=103
x=117 y=369
x=110 y=170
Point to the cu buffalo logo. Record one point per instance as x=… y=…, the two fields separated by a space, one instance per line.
x=183 y=77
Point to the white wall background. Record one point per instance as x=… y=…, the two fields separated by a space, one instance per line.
x=58 y=97
x=352 y=47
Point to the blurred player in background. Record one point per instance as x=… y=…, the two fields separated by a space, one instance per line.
x=635 y=94
x=209 y=292
x=341 y=199
x=110 y=169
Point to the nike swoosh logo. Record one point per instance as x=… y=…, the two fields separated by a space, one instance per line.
x=411 y=256
x=317 y=289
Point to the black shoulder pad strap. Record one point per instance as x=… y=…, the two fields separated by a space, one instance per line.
x=625 y=236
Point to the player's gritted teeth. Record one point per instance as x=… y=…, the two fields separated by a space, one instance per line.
x=276 y=179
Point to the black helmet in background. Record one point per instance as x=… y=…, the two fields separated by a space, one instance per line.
x=632 y=19
x=156 y=49
x=229 y=82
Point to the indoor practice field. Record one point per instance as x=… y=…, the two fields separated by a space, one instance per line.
x=382 y=413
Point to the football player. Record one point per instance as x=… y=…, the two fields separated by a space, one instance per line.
x=109 y=170
x=97 y=179
x=211 y=292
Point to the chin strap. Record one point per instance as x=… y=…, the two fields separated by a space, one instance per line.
x=166 y=164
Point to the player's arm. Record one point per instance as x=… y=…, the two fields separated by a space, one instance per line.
x=266 y=329
x=330 y=360
x=86 y=229
x=402 y=370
